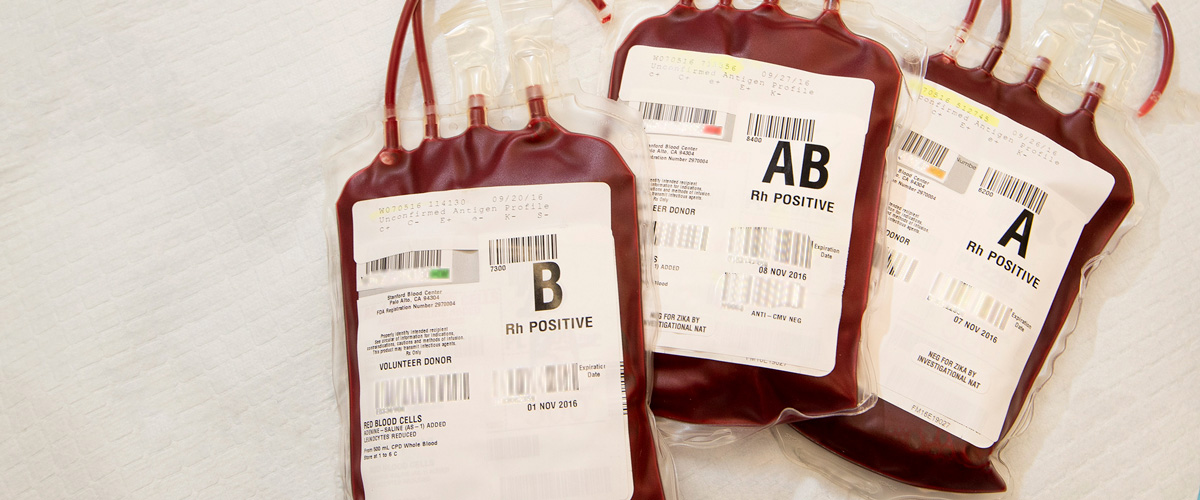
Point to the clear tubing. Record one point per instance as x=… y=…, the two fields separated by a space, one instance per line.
x=1168 y=63
x=531 y=73
x=964 y=29
x=833 y=5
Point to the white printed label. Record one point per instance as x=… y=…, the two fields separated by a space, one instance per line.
x=490 y=345
x=984 y=217
x=756 y=171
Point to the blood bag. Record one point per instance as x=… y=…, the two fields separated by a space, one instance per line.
x=1001 y=207
x=769 y=134
x=489 y=293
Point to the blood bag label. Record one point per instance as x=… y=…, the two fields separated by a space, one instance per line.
x=489 y=345
x=983 y=218
x=756 y=172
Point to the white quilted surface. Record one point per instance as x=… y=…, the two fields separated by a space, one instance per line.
x=164 y=310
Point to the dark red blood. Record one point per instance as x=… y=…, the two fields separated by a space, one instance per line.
x=542 y=153
x=897 y=444
x=714 y=392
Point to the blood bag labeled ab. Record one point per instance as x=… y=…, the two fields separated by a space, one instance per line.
x=768 y=134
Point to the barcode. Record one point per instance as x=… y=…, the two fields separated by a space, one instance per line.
x=781 y=127
x=395 y=394
x=966 y=299
x=900 y=266
x=677 y=235
x=778 y=245
x=925 y=149
x=678 y=114
x=522 y=249
x=548 y=379
x=624 y=401
x=406 y=260
x=739 y=291
x=1015 y=189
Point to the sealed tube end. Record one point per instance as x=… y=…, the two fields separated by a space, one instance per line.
x=1048 y=47
x=1037 y=72
x=537 y=101
x=603 y=10
x=960 y=39
x=532 y=73
x=477 y=104
x=1091 y=100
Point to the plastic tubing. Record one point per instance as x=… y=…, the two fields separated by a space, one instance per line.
x=964 y=29
x=1168 y=62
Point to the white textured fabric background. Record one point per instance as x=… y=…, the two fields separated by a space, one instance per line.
x=164 y=304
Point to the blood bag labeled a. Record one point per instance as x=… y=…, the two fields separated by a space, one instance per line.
x=769 y=135
x=488 y=287
x=1001 y=207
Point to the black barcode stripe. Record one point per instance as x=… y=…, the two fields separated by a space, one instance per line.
x=393 y=394
x=925 y=149
x=522 y=249
x=405 y=260
x=1015 y=189
x=678 y=114
x=781 y=127
x=624 y=401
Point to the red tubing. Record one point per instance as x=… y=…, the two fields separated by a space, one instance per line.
x=389 y=94
x=993 y=57
x=1168 y=63
x=418 y=25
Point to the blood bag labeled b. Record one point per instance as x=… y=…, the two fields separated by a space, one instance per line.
x=489 y=291
x=769 y=135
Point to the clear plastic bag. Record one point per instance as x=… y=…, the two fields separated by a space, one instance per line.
x=459 y=375
x=770 y=135
x=976 y=311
